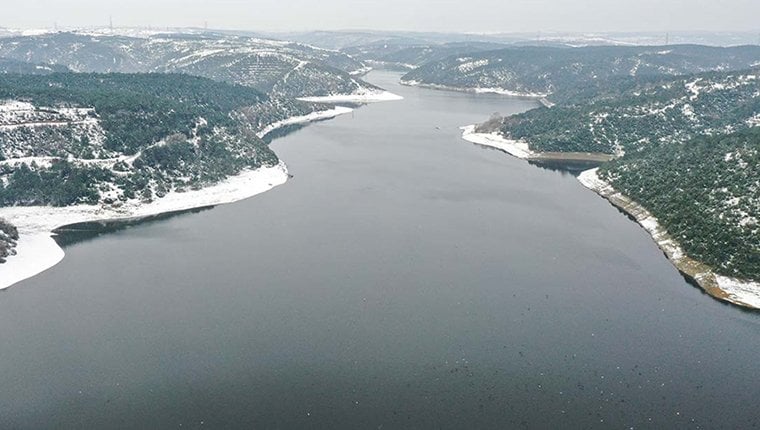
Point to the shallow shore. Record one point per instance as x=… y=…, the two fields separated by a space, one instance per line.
x=738 y=292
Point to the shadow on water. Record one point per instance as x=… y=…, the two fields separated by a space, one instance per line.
x=564 y=167
x=73 y=234
x=290 y=129
x=573 y=167
x=282 y=132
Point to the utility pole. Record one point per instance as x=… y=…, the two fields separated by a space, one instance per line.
x=205 y=25
x=110 y=23
x=667 y=39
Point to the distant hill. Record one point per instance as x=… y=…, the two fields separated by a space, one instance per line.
x=560 y=73
x=632 y=115
x=280 y=68
x=403 y=56
x=21 y=67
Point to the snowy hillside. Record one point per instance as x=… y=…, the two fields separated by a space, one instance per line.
x=561 y=73
x=281 y=68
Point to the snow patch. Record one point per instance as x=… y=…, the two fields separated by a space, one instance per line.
x=361 y=97
x=741 y=291
x=515 y=148
x=314 y=116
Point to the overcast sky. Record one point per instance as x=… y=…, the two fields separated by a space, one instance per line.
x=423 y=15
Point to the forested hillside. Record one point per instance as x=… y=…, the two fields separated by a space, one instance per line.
x=705 y=192
x=283 y=69
x=552 y=72
x=403 y=56
x=686 y=148
x=92 y=138
x=14 y=66
x=632 y=115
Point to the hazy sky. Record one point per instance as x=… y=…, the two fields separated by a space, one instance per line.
x=423 y=15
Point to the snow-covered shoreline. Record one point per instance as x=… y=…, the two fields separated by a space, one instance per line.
x=477 y=90
x=515 y=148
x=37 y=251
x=369 y=96
x=521 y=149
x=739 y=292
x=303 y=119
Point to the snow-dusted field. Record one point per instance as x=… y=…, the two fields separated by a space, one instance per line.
x=37 y=251
x=743 y=293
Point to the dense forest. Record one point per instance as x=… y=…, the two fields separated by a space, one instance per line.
x=705 y=192
x=278 y=68
x=161 y=133
x=630 y=114
x=564 y=74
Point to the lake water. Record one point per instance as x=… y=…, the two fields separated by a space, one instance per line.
x=404 y=278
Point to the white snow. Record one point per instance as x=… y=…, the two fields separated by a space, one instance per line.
x=15 y=105
x=37 y=251
x=314 y=116
x=360 y=71
x=513 y=147
x=505 y=92
x=694 y=89
x=744 y=292
x=360 y=97
x=472 y=65
x=477 y=90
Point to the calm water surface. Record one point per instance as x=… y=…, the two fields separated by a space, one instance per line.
x=404 y=278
